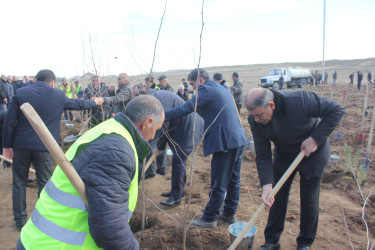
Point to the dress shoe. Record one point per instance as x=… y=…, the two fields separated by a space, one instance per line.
x=303 y=248
x=148 y=176
x=161 y=172
x=202 y=223
x=269 y=246
x=171 y=202
x=230 y=219
x=168 y=194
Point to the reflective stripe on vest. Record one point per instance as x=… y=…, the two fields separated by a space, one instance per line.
x=54 y=231
x=60 y=218
x=68 y=92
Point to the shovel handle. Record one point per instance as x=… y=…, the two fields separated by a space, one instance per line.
x=274 y=191
x=52 y=146
x=6 y=159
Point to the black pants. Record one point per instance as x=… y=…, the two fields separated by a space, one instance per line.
x=22 y=160
x=309 y=195
x=178 y=172
x=66 y=112
x=225 y=178
x=239 y=106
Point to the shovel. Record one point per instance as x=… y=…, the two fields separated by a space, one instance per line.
x=73 y=138
x=338 y=135
x=361 y=138
x=365 y=161
x=274 y=191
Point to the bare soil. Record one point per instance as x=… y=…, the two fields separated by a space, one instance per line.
x=340 y=222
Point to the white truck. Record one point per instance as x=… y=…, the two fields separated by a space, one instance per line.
x=292 y=77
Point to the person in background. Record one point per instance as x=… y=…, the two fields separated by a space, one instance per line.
x=111 y=91
x=351 y=77
x=100 y=113
x=369 y=77
x=281 y=82
x=149 y=82
x=163 y=84
x=10 y=88
x=237 y=90
x=359 y=77
x=293 y=121
x=68 y=91
x=182 y=93
x=3 y=92
x=218 y=77
x=334 y=77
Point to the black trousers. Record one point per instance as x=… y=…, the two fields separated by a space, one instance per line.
x=22 y=160
x=178 y=171
x=309 y=196
x=225 y=183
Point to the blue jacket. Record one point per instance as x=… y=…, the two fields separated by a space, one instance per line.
x=49 y=103
x=179 y=130
x=222 y=127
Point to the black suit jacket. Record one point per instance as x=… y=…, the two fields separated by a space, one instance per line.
x=298 y=115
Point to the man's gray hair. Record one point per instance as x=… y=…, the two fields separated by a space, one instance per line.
x=142 y=107
x=261 y=100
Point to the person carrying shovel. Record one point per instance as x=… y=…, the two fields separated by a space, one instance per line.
x=293 y=121
x=106 y=158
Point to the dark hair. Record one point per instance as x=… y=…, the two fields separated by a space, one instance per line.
x=218 y=76
x=149 y=78
x=45 y=75
x=193 y=75
x=235 y=74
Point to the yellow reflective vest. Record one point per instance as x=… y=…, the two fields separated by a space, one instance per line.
x=60 y=217
x=68 y=92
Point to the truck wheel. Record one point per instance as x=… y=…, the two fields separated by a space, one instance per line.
x=275 y=85
x=302 y=83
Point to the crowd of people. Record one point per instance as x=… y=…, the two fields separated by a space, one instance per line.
x=136 y=121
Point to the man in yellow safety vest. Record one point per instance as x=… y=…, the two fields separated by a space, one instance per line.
x=68 y=90
x=106 y=158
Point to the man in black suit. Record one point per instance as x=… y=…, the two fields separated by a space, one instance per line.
x=178 y=134
x=293 y=121
x=22 y=144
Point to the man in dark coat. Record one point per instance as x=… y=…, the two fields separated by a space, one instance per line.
x=178 y=133
x=351 y=77
x=360 y=78
x=293 y=121
x=100 y=113
x=237 y=90
x=224 y=139
x=119 y=101
x=21 y=141
x=163 y=84
x=3 y=92
x=369 y=77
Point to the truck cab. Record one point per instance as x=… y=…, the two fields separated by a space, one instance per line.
x=292 y=77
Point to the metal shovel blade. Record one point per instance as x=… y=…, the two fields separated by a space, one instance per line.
x=70 y=138
x=338 y=136
x=365 y=164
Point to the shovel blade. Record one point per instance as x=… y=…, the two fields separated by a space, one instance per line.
x=338 y=136
x=365 y=164
x=70 y=138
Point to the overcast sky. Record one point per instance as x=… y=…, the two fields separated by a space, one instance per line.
x=55 y=34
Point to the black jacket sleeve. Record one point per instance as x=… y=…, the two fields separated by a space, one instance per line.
x=329 y=111
x=10 y=123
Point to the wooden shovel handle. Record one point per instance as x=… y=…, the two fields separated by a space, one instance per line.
x=274 y=191
x=6 y=159
x=52 y=146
